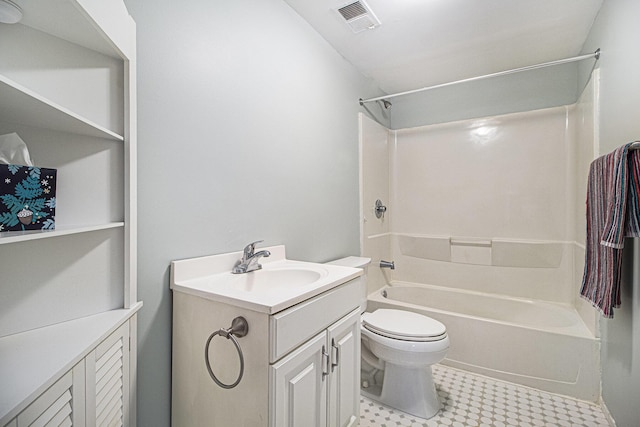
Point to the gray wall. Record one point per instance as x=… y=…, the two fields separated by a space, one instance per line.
x=248 y=130
x=525 y=91
x=616 y=31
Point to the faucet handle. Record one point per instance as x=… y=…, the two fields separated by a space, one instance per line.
x=250 y=248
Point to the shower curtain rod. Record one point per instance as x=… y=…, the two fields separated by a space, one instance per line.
x=595 y=55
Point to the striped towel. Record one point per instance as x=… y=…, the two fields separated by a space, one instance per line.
x=613 y=213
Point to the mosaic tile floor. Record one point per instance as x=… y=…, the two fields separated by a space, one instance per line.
x=468 y=400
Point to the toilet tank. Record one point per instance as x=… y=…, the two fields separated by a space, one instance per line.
x=356 y=262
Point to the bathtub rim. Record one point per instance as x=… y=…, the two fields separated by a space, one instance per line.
x=581 y=330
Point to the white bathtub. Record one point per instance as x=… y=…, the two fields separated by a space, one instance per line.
x=534 y=343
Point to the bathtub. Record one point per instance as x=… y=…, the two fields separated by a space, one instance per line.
x=534 y=343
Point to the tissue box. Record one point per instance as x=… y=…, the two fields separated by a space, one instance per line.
x=27 y=198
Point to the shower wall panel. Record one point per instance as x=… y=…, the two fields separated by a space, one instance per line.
x=585 y=119
x=498 y=177
x=501 y=190
x=375 y=143
x=491 y=205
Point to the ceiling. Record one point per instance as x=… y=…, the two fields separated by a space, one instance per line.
x=426 y=42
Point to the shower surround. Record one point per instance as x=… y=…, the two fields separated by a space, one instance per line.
x=492 y=205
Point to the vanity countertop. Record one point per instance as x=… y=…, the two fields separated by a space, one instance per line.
x=280 y=284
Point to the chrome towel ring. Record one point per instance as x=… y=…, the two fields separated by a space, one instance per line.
x=239 y=328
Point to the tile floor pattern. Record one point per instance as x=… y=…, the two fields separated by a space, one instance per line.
x=468 y=400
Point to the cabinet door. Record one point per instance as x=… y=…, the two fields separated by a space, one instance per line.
x=61 y=405
x=298 y=386
x=344 y=378
x=108 y=381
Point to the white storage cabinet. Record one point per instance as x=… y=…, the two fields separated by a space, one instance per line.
x=67 y=87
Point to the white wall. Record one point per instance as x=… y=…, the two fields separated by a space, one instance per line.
x=248 y=130
x=616 y=32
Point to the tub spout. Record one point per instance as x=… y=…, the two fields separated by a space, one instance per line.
x=387 y=264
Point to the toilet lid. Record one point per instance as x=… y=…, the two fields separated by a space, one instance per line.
x=404 y=325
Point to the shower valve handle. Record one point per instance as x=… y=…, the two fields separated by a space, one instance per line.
x=379 y=209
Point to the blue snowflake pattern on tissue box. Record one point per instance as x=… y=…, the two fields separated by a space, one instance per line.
x=27 y=198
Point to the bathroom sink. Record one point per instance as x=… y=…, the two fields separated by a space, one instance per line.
x=280 y=284
x=270 y=279
x=267 y=280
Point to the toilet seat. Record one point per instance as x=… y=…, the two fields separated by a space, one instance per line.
x=404 y=325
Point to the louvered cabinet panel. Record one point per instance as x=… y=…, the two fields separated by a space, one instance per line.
x=108 y=377
x=61 y=405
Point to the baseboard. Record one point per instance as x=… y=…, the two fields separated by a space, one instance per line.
x=607 y=414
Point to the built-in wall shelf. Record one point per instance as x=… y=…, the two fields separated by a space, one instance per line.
x=24 y=236
x=80 y=22
x=67 y=88
x=21 y=105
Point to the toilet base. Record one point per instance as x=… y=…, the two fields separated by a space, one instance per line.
x=409 y=390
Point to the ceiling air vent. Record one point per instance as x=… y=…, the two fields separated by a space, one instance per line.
x=359 y=16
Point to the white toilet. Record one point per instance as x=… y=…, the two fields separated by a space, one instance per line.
x=404 y=345
x=398 y=349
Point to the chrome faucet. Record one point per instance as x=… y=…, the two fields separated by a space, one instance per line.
x=249 y=260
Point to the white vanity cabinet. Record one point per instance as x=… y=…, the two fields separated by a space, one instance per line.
x=315 y=381
x=299 y=394
x=317 y=384
x=344 y=376
x=301 y=362
x=67 y=88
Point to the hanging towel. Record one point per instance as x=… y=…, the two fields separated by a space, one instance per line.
x=613 y=213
